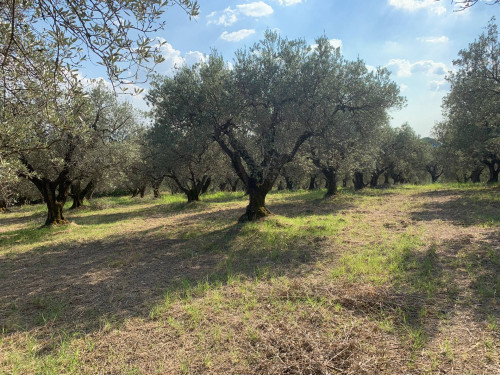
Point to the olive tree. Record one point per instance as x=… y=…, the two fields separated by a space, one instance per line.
x=274 y=98
x=348 y=142
x=471 y=108
x=73 y=152
x=43 y=43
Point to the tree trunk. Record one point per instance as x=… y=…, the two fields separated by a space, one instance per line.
x=156 y=192
x=206 y=181
x=358 y=181
x=3 y=205
x=222 y=186
x=386 y=178
x=289 y=183
x=475 y=175
x=331 y=181
x=155 y=185
x=77 y=202
x=396 y=178
x=55 y=213
x=256 y=208
x=23 y=201
x=374 y=179
x=76 y=195
x=142 y=191
x=312 y=183
x=493 y=173
x=193 y=195
x=234 y=186
x=55 y=202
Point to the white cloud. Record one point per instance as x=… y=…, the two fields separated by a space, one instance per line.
x=336 y=43
x=225 y=17
x=194 y=57
x=441 y=85
x=236 y=36
x=371 y=68
x=255 y=9
x=434 y=39
x=404 y=68
x=413 y=5
x=287 y=3
x=403 y=87
x=173 y=57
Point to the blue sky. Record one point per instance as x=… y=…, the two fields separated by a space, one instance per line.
x=416 y=39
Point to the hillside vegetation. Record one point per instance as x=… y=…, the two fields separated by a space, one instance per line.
x=403 y=280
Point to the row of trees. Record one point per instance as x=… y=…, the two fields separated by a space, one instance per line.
x=282 y=112
x=284 y=115
x=470 y=133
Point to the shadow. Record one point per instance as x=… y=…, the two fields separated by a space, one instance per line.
x=6 y=218
x=68 y=289
x=196 y=211
x=461 y=207
x=164 y=210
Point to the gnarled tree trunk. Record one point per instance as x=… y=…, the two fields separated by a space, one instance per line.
x=374 y=178
x=386 y=178
x=331 y=181
x=234 y=184
x=206 y=184
x=256 y=208
x=475 y=175
x=193 y=195
x=358 y=181
x=156 y=184
x=312 y=183
x=494 y=172
x=194 y=187
x=55 y=196
x=78 y=195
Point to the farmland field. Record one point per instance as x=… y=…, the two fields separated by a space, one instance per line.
x=403 y=280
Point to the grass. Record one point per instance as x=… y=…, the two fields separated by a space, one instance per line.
x=382 y=280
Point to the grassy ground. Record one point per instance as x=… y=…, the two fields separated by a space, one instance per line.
x=391 y=281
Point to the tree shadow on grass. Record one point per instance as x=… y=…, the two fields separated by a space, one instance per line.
x=437 y=288
x=71 y=289
x=476 y=207
x=8 y=218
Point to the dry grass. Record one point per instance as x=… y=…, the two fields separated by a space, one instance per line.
x=396 y=281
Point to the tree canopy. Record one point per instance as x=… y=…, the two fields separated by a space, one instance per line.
x=278 y=95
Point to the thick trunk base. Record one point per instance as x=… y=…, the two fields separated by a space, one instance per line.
x=312 y=183
x=374 y=180
x=77 y=203
x=55 y=215
x=493 y=175
x=193 y=196
x=475 y=176
x=358 y=181
x=254 y=213
x=156 y=193
x=256 y=208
